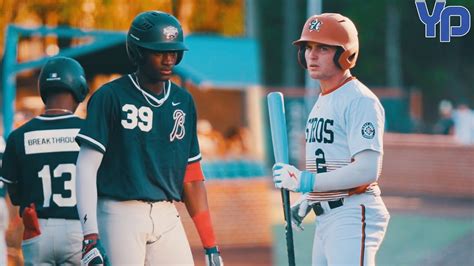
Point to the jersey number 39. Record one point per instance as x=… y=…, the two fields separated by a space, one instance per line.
x=141 y=117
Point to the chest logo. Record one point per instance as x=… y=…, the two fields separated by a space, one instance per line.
x=178 y=131
x=368 y=130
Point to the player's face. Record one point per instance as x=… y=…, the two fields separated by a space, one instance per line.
x=159 y=65
x=319 y=59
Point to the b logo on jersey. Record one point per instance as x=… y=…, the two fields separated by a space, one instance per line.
x=178 y=128
x=368 y=130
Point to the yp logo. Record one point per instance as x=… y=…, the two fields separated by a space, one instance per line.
x=443 y=14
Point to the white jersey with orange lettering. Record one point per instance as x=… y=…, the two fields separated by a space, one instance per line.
x=342 y=123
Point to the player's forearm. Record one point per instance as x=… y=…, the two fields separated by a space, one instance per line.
x=88 y=163
x=364 y=170
x=14 y=194
x=195 y=199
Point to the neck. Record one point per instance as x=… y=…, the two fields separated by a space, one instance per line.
x=60 y=103
x=146 y=83
x=57 y=111
x=327 y=85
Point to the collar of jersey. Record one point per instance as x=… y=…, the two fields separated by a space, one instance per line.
x=55 y=117
x=339 y=86
x=147 y=95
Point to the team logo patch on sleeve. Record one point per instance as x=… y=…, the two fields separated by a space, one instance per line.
x=368 y=130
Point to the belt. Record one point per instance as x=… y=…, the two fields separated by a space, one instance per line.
x=318 y=209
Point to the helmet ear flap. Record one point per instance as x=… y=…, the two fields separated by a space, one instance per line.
x=337 y=57
x=179 y=57
x=140 y=59
x=84 y=90
x=346 y=59
x=301 y=58
x=134 y=53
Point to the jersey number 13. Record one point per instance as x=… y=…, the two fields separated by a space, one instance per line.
x=59 y=171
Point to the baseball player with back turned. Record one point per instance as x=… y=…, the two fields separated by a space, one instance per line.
x=140 y=153
x=344 y=148
x=39 y=167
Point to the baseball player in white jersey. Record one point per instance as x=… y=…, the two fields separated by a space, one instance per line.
x=344 y=149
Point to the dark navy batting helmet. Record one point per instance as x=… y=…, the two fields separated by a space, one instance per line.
x=63 y=74
x=156 y=31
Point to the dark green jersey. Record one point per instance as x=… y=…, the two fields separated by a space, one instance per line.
x=147 y=140
x=39 y=165
x=2 y=184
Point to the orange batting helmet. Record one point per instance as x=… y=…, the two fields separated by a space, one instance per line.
x=331 y=29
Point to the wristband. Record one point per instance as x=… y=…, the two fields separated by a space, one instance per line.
x=306 y=182
x=203 y=224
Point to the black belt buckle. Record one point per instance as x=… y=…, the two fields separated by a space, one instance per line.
x=318 y=209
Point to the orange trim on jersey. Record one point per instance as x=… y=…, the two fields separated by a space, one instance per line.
x=338 y=86
x=362 y=245
x=203 y=224
x=358 y=190
x=193 y=172
x=335 y=194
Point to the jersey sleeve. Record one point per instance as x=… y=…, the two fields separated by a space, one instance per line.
x=10 y=171
x=100 y=117
x=194 y=152
x=365 y=119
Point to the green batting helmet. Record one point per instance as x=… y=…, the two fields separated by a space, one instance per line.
x=63 y=74
x=156 y=31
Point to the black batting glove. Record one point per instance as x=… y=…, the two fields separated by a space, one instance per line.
x=93 y=253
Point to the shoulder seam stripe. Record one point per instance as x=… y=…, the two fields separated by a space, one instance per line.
x=93 y=141
x=6 y=180
x=194 y=158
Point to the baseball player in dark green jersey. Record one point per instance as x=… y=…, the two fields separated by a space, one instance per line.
x=139 y=149
x=39 y=168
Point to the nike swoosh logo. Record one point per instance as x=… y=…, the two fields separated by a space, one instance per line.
x=174 y=104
